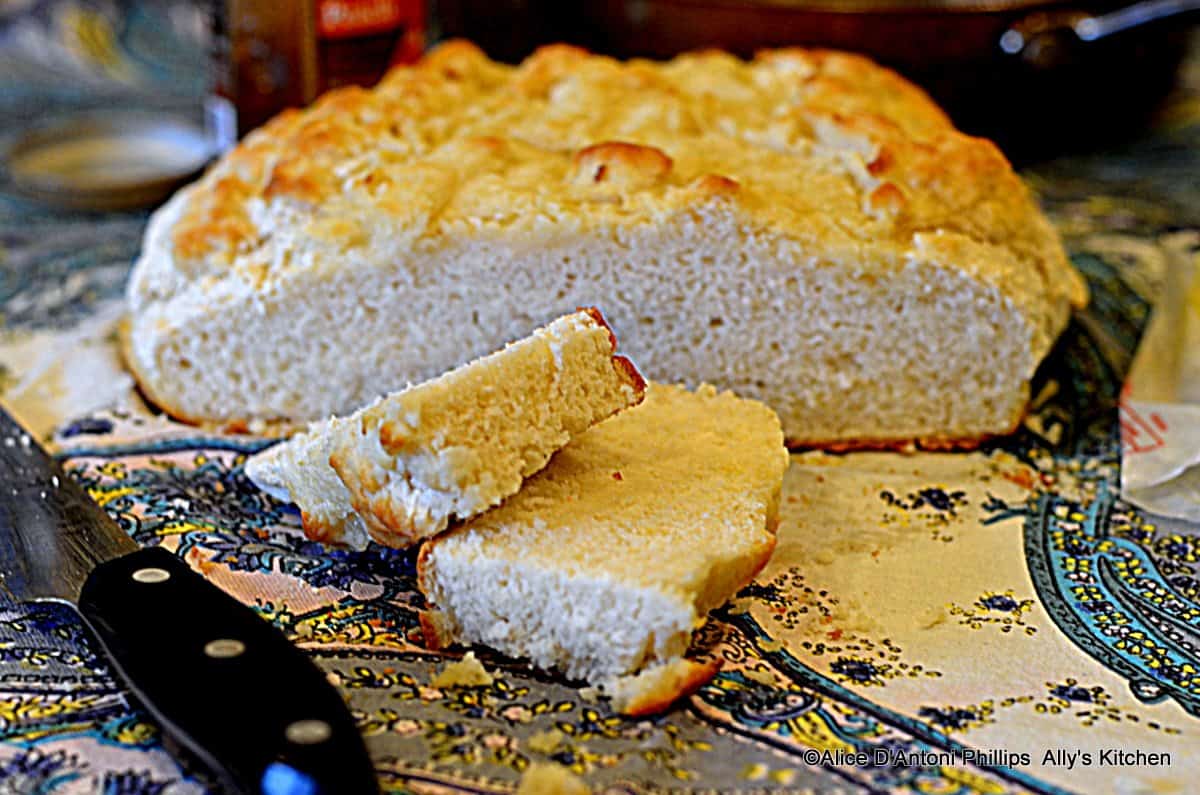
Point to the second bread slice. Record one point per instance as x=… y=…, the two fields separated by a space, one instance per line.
x=607 y=560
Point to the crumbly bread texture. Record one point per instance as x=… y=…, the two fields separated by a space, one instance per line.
x=607 y=560
x=298 y=471
x=806 y=228
x=402 y=468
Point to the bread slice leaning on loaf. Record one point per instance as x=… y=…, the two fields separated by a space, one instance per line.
x=298 y=471
x=805 y=228
x=604 y=563
x=402 y=468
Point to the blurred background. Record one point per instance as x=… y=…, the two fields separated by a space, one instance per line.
x=1036 y=76
x=110 y=104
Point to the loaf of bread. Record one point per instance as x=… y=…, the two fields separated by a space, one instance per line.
x=604 y=563
x=402 y=468
x=806 y=228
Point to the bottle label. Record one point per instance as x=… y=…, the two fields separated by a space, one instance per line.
x=339 y=19
x=358 y=40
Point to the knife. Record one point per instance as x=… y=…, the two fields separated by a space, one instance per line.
x=222 y=683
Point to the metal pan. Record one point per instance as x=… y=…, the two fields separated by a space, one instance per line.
x=113 y=160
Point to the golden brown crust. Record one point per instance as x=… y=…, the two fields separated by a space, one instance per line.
x=843 y=79
x=385 y=524
x=316 y=530
x=391 y=439
x=929 y=444
x=713 y=186
x=423 y=565
x=923 y=173
x=688 y=677
x=423 y=571
x=378 y=518
x=598 y=316
x=433 y=631
x=632 y=375
x=620 y=164
x=622 y=364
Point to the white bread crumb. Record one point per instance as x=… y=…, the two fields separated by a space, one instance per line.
x=548 y=778
x=467 y=672
x=546 y=742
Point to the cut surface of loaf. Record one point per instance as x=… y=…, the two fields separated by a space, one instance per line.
x=403 y=467
x=607 y=560
x=805 y=228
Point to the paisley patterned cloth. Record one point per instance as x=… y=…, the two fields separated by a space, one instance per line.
x=988 y=622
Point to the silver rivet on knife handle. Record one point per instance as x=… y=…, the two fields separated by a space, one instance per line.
x=224 y=648
x=308 y=732
x=151 y=575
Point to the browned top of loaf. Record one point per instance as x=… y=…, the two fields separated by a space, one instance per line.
x=825 y=148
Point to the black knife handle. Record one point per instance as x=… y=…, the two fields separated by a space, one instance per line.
x=222 y=682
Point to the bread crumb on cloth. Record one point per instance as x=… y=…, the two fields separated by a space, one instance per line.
x=467 y=672
x=547 y=778
x=546 y=742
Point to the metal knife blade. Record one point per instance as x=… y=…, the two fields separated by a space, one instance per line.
x=52 y=534
x=222 y=683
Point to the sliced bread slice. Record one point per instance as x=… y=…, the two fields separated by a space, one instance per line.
x=298 y=471
x=402 y=468
x=607 y=560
